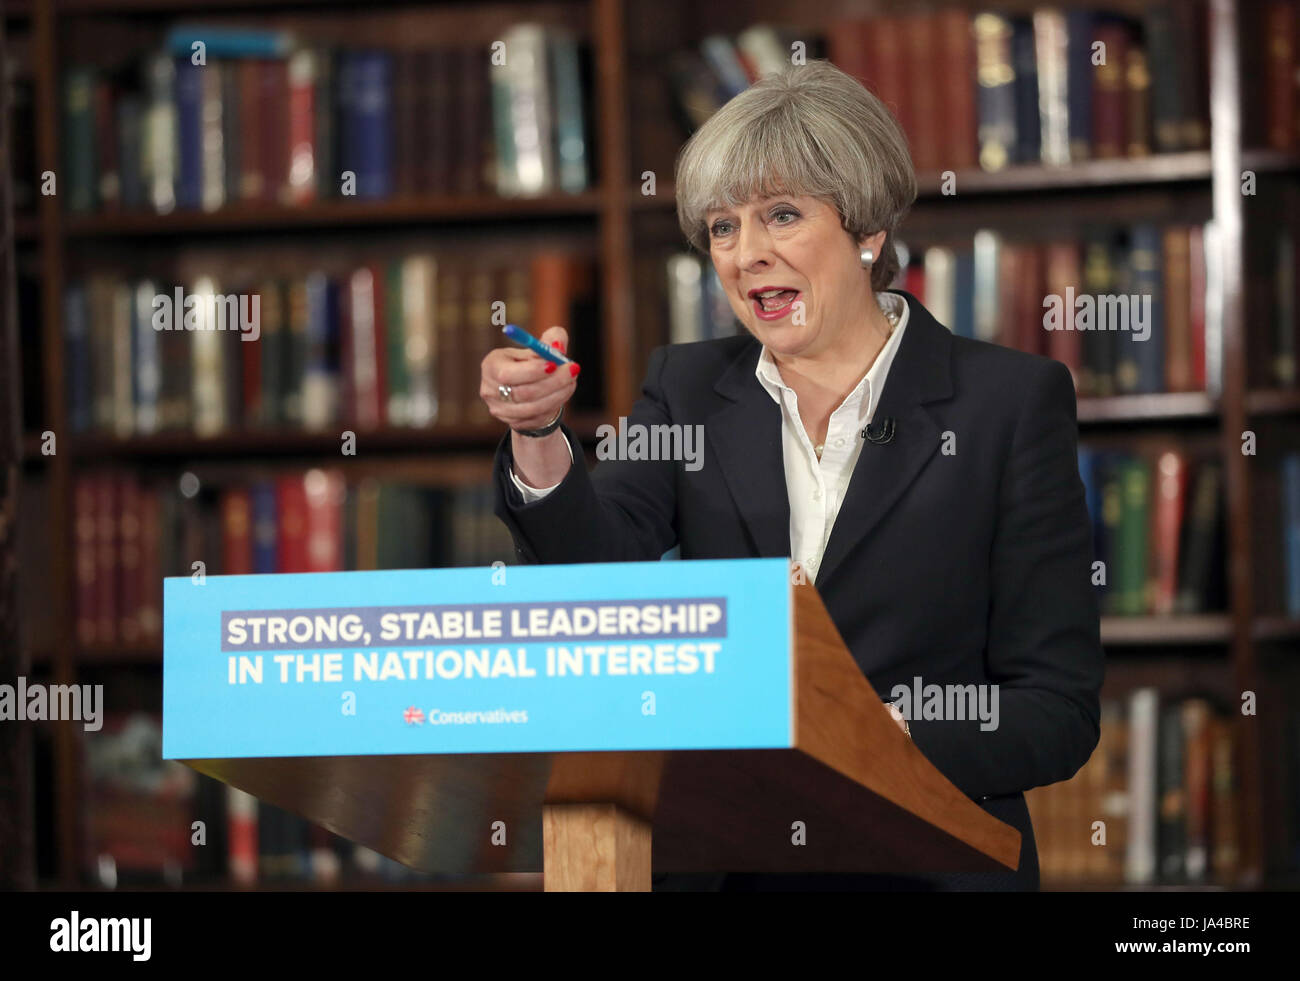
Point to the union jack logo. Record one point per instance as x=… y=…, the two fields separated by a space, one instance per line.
x=413 y=716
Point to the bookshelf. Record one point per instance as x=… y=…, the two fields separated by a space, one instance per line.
x=633 y=130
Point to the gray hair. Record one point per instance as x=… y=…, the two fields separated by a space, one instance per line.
x=809 y=130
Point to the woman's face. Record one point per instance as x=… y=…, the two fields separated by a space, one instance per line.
x=791 y=272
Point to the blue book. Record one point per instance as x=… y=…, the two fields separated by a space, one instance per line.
x=1291 y=530
x=321 y=370
x=1146 y=279
x=189 y=133
x=227 y=42
x=1024 y=62
x=365 y=96
x=76 y=357
x=570 y=138
x=261 y=497
x=145 y=357
x=963 y=320
x=1078 y=83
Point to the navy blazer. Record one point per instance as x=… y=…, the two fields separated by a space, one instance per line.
x=961 y=553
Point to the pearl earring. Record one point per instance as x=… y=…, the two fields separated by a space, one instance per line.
x=868 y=257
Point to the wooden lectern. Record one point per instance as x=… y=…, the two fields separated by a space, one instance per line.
x=864 y=797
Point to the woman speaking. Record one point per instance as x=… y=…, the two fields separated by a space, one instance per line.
x=927 y=484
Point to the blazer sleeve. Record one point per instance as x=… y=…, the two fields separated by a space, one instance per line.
x=623 y=511
x=1044 y=646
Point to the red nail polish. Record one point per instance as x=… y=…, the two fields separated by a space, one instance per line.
x=558 y=345
x=551 y=366
x=574 y=369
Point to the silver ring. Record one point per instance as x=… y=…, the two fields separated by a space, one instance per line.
x=504 y=391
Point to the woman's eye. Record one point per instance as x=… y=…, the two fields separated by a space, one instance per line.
x=720 y=228
x=778 y=216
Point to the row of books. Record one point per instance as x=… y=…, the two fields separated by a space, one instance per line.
x=1054 y=87
x=151 y=821
x=1124 y=309
x=1157 y=525
x=1155 y=804
x=393 y=342
x=131 y=532
x=262 y=119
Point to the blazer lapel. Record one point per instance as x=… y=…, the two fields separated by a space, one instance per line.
x=746 y=440
x=921 y=373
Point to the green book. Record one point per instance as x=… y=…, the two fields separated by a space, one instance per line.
x=398 y=395
x=78 y=177
x=1131 y=545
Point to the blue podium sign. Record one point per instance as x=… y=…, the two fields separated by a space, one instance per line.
x=555 y=658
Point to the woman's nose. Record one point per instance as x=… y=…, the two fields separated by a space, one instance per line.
x=755 y=245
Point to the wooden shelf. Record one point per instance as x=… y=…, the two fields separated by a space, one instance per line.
x=1275 y=628
x=1273 y=402
x=297 y=442
x=1162 y=407
x=244 y=217
x=1159 y=168
x=1022 y=179
x=1151 y=631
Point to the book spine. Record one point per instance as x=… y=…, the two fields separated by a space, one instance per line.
x=997 y=91
x=189 y=133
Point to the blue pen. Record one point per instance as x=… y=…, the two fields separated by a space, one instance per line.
x=521 y=336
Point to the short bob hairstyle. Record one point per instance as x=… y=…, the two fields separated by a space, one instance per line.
x=808 y=130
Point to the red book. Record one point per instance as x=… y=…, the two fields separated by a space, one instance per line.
x=1030 y=336
x=128 y=513
x=1280 y=69
x=301 y=80
x=84 y=536
x=1064 y=269
x=847 y=50
x=1009 y=260
x=1109 y=91
x=959 y=121
x=925 y=127
x=291 y=505
x=882 y=37
x=251 y=178
x=150 y=565
x=241 y=836
x=324 y=491
x=1167 y=522
x=236 y=532
x=273 y=114
x=1196 y=304
x=107 y=570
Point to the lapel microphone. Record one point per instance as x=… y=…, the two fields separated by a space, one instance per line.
x=880 y=435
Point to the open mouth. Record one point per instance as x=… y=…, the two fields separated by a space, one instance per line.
x=773 y=303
